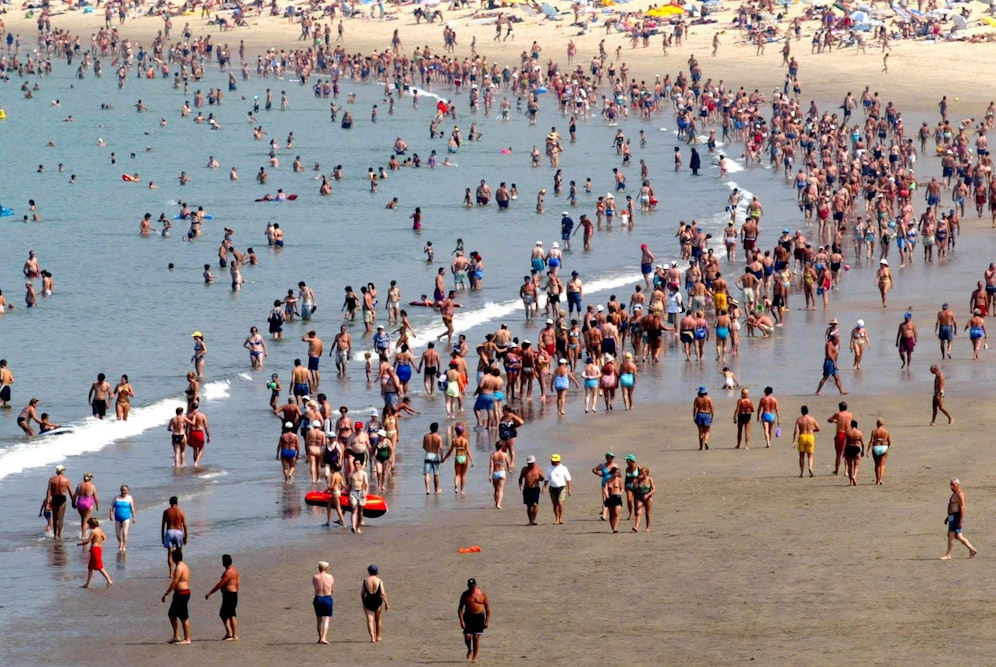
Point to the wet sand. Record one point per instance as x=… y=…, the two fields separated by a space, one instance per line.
x=745 y=562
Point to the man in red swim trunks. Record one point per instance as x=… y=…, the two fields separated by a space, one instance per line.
x=95 y=538
x=548 y=338
x=842 y=419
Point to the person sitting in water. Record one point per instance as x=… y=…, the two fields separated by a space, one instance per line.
x=44 y=426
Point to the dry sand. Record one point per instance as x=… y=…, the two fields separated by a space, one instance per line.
x=746 y=561
x=919 y=72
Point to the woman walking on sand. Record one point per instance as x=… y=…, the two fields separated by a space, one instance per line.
x=123 y=515
x=463 y=459
x=743 y=414
x=87 y=501
x=373 y=596
x=643 y=498
x=880 y=442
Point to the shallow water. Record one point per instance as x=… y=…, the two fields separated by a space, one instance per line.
x=117 y=309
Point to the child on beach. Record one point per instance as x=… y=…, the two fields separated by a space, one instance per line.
x=274 y=386
x=730 y=380
x=429 y=252
x=369 y=359
x=46 y=511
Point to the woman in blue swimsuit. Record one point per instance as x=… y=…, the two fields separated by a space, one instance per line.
x=123 y=515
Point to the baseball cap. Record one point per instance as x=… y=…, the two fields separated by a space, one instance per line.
x=907 y=316
x=600 y=308
x=630 y=457
x=197 y=334
x=610 y=455
x=555 y=458
x=549 y=321
x=565 y=214
x=60 y=468
x=317 y=423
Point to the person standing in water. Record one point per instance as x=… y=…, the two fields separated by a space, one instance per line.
x=58 y=492
x=324 y=584
x=95 y=539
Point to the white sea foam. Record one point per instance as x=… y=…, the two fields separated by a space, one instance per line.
x=92 y=435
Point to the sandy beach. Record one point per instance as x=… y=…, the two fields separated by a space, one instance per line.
x=745 y=562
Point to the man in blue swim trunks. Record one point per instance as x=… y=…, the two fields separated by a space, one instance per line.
x=300 y=386
x=324 y=584
x=173 y=530
x=315 y=349
x=946 y=329
x=832 y=348
x=566 y=227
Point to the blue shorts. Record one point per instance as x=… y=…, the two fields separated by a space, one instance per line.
x=953 y=521
x=703 y=419
x=323 y=605
x=829 y=368
x=430 y=466
x=391 y=398
x=173 y=538
x=574 y=297
x=313 y=363
x=484 y=402
x=301 y=389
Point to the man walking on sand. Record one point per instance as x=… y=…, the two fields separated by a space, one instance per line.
x=324 y=585
x=229 y=587
x=955 y=520
x=804 y=436
x=474 y=613
x=558 y=480
x=842 y=419
x=831 y=350
x=530 y=479
x=178 y=608
x=938 y=400
x=60 y=489
x=906 y=340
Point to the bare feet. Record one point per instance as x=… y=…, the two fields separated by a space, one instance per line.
x=972 y=553
x=945 y=557
x=185 y=641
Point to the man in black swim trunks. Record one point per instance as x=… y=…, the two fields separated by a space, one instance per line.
x=59 y=489
x=99 y=392
x=178 y=608
x=474 y=613
x=229 y=586
x=531 y=479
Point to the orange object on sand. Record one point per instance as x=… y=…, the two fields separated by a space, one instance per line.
x=470 y=550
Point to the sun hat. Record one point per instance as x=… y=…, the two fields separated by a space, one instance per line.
x=555 y=458
x=382 y=433
x=703 y=391
x=60 y=468
x=288 y=425
x=565 y=213
x=563 y=361
x=861 y=324
x=197 y=334
x=530 y=459
x=316 y=423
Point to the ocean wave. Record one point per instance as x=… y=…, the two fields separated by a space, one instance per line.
x=92 y=435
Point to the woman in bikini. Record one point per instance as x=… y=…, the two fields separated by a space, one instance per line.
x=344 y=426
x=463 y=459
x=881 y=442
x=87 y=501
x=743 y=414
x=859 y=341
x=193 y=391
x=123 y=392
x=200 y=352
x=613 y=498
x=643 y=494
x=883 y=278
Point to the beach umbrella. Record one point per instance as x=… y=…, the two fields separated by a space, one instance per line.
x=859 y=17
x=666 y=10
x=549 y=10
x=959 y=22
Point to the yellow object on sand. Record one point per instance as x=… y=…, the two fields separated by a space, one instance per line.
x=3 y=115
